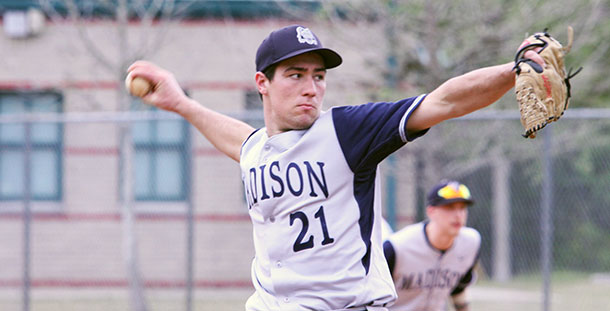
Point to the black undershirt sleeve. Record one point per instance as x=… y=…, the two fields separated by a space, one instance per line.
x=467 y=278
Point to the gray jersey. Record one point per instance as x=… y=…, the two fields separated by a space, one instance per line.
x=424 y=276
x=314 y=200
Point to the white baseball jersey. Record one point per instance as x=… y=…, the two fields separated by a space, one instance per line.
x=386 y=229
x=424 y=276
x=314 y=200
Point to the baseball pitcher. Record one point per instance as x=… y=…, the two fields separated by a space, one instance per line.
x=310 y=176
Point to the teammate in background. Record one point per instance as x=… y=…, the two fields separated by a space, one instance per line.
x=434 y=259
x=310 y=176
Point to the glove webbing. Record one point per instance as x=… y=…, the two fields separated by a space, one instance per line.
x=519 y=56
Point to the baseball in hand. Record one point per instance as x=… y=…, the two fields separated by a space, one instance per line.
x=138 y=86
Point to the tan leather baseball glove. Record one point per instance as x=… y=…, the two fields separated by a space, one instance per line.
x=543 y=93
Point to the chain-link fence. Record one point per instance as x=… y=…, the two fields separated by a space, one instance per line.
x=139 y=212
x=541 y=205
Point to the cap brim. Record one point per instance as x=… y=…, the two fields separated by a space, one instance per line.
x=331 y=58
x=449 y=201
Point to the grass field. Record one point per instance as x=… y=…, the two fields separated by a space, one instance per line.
x=570 y=292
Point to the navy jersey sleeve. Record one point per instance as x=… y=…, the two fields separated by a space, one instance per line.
x=390 y=255
x=369 y=133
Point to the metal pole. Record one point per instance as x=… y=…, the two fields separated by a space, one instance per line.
x=130 y=247
x=501 y=219
x=27 y=215
x=190 y=238
x=189 y=258
x=128 y=217
x=547 y=217
x=391 y=80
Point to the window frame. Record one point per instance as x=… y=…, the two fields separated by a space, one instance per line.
x=56 y=147
x=153 y=147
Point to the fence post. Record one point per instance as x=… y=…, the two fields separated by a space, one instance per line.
x=546 y=221
x=190 y=236
x=130 y=249
x=27 y=215
x=501 y=219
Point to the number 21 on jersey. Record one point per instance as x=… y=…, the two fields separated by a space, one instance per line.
x=299 y=244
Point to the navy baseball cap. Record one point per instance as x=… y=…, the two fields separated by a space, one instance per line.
x=291 y=41
x=449 y=191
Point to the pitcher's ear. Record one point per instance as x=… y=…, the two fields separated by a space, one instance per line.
x=261 y=82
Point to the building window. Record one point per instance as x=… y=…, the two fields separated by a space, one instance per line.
x=252 y=100
x=162 y=160
x=44 y=152
x=254 y=108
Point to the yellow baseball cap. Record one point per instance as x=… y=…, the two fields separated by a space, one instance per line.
x=449 y=191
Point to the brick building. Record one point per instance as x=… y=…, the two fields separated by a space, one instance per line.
x=75 y=187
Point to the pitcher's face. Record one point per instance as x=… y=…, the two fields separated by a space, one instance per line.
x=295 y=95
